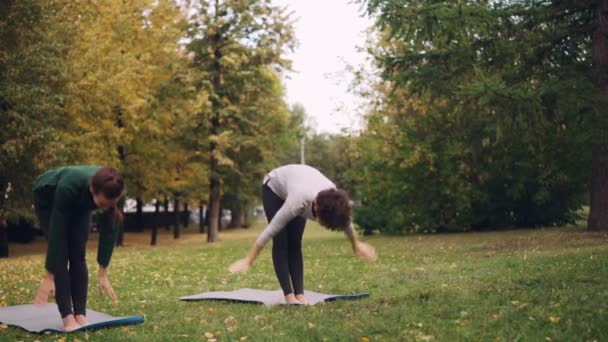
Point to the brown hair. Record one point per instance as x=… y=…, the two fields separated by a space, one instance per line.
x=333 y=209
x=110 y=183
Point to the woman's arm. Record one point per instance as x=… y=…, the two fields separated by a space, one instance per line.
x=246 y=263
x=361 y=249
x=278 y=222
x=104 y=283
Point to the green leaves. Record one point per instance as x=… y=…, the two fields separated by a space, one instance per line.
x=475 y=98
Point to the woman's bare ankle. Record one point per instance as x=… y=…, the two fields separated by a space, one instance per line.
x=303 y=300
x=291 y=299
x=69 y=323
x=82 y=320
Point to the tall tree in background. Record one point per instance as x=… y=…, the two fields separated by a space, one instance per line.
x=598 y=213
x=32 y=95
x=493 y=105
x=232 y=39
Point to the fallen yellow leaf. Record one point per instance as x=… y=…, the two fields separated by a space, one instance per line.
x=311 y=325
x=554 y=319
x=230 y=320
x=364 y=339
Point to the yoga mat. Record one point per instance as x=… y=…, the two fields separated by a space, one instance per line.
x=43 y=318
x=267 y=297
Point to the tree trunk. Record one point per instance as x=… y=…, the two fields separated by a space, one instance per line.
x=186 y=215
x=168 y=224
x=237 y=217
x=201 y=218
x=3 y=241
x=139 y=215
x=215 y=184
x=598 y=211
x=155 y=222
x=176 y=218
x=598 y=206
x=246 y=217
x=214 y=213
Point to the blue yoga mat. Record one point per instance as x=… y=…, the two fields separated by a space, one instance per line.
x=43 y=318
x=267 y=297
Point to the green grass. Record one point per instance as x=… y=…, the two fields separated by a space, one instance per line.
x=526 y=285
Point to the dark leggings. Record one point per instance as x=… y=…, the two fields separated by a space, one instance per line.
x=286 y=246
x=71 y=282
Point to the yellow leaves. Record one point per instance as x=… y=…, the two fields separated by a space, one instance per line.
x=230 y=323
x=423 y=337
x=3 y=326
x=364 y=339
x=61 y=339
x=554 y=319
x=127 y=331
x=453 y=266
x=519 y=304
x=311 y=325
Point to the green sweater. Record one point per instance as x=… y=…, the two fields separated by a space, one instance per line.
x=65 y=192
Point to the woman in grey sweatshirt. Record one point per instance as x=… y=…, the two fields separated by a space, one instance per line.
x=292 y=194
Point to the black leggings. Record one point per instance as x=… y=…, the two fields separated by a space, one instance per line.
x=71 y=283
x=286 y=246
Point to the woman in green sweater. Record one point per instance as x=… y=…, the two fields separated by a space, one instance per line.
x=64 y=199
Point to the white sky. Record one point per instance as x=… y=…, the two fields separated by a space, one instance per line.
x=329 y=33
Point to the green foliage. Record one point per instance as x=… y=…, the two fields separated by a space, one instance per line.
x=484 y=118
x=333 y=156
x=238 y=49
x=32 y=97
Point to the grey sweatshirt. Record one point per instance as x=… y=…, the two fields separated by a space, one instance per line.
x=298 y=185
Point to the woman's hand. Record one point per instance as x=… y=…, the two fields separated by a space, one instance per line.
x=241 y=265
x=104 y=284
x=46 y=288
x=364 y=251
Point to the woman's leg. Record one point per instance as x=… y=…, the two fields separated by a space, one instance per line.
x=272 y=203
x=79 y=275
x=295 y=231
x=61 y=277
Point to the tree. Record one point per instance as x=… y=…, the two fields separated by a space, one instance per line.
x=32 y=95
x=487 y=112
x=232 y=40
x=598 y=211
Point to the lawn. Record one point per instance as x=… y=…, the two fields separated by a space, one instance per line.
x=525 y=285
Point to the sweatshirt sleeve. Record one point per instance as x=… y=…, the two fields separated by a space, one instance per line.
x=350 y=231
x=108 y=232
x=286 y=213
x=57 y=233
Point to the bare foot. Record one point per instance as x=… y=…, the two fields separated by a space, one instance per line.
x=82 y=320
x=291 y=299
x=69 y=323
x=302 y=299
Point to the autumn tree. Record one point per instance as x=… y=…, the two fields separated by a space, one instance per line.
x=232 y=40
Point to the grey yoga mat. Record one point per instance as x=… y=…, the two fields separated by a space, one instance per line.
x=267 y=297
x=43 y=318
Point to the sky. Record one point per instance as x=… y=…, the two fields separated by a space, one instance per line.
x=329 y=33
